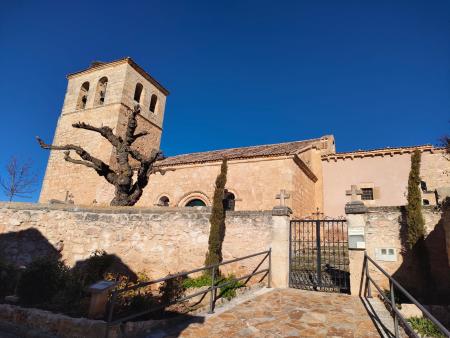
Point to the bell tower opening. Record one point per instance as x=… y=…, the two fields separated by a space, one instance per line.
x=101 y=91
x=102 y=95
x=83 y=95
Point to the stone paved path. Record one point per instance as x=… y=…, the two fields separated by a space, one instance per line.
x=287 y=313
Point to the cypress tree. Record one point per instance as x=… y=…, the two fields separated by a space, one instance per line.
x=416 y=228
x=217 y=219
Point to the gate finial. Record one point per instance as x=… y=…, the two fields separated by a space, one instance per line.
x=318 y=214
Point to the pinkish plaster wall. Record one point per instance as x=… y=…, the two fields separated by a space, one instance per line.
x=387 y=173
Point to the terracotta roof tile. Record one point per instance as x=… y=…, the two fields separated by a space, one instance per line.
x=279 y=149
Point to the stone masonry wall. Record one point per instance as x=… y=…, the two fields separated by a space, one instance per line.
x=254 y=182
x=385 y=229
x=157 y=241
x=82 y=183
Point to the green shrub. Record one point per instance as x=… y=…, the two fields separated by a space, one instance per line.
x=425 y=327
x=228 y=291
x=203 y=280
x=172 y=290
x=94 y=268
x=41 y=280
x=141 y=302
x=8 y=279
x=73 y=297
x=132 y=301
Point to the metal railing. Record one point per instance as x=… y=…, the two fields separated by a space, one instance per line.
x=393 y=285
x=215 y=284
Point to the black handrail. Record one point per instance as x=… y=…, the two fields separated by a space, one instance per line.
x=212 y=288
x=392 y=285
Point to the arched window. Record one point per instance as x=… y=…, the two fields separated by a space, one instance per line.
x=228 y=200
x=164 y=201
x=138 y=92
x=101 y=91
x=153 y=102
x=83 y=96
x=196 y=202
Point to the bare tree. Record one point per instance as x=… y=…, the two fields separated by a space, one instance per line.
x=20 y=180
x=445 y=142
x=128 y=187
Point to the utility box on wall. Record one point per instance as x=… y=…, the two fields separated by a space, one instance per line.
x=356 y=238
x=386 y=254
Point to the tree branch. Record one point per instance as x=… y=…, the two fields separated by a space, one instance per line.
x=106 y=132
x=138 y=135
x=72 y=160
x=132 y=125
x=98 y=165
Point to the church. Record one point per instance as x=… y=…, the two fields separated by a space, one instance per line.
x=309 y=176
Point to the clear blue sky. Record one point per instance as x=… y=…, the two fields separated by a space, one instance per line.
x=373 y=73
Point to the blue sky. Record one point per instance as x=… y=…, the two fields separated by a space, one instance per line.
x=373 y=73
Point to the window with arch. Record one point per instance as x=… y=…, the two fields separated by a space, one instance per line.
x=153 y=102
x=101 y=91
x=196 y=202
x=164 y=201
x=138 y=92
x=83 y=95
x=228 y=200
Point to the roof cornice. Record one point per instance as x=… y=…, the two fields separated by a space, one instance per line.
x=127 y=60
x=302 y=165
x=381 y=152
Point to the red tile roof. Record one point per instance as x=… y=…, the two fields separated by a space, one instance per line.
x=269 y=150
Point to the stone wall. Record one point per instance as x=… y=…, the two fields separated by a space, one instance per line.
x=28 y=322
x=254 y=182
x=435 y=170
x=157 y=241
x=303 y=194
x=423 y=270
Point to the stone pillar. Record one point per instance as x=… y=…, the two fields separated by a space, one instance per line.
x=99 y=298
x=280 y=247
x=356 y=223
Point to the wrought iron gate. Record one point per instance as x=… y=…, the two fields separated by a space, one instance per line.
x=319 y=255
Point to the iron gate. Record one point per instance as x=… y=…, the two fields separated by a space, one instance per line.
x=319 y=255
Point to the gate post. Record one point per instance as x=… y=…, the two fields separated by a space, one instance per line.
x=356 y=221
x=280 y=247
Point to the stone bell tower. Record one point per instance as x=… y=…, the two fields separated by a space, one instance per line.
x=101 y=95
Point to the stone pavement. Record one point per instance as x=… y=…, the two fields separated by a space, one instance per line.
x=287 y=313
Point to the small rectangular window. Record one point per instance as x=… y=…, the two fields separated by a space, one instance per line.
x=367 y=194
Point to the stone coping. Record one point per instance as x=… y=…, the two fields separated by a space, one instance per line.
x=398 y=208
x=45 y=323
x=122 y=210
